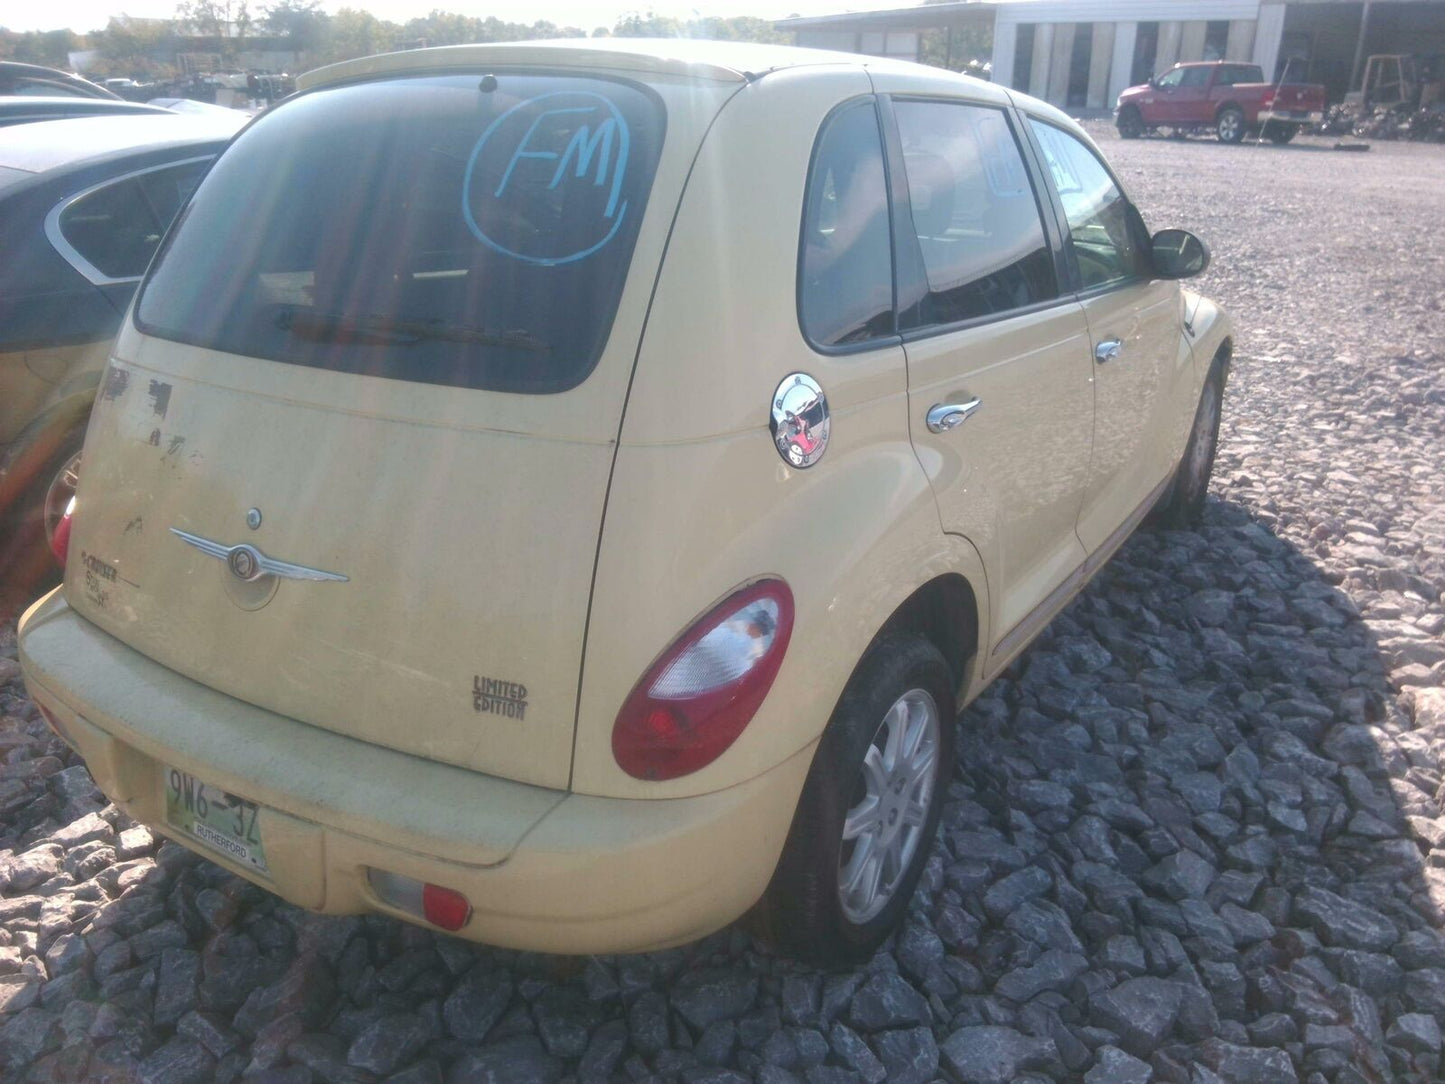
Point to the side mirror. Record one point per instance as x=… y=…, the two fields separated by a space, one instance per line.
x=1178 y=254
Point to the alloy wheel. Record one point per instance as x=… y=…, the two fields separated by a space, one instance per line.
x=883 y=828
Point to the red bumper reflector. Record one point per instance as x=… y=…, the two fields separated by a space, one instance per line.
x=445 y=907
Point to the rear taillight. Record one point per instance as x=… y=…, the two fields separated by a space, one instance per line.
x=60 y=540
x=697 y=698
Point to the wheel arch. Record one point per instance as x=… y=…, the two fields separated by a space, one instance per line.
x=1224 y=356
x=945 y=612
x=1229 y=103
x=22 y=461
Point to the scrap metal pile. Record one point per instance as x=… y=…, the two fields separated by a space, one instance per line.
x=1400 y=97
x=1385 y=122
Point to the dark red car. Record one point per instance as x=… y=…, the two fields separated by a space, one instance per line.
x=1227 y=98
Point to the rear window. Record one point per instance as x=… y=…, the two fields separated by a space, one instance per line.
x=464 y=230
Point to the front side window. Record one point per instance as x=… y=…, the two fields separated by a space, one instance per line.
x=974 y=212
x=117 y=228
x=449 y=229
x=1171 y=78
x=1105 y=246
x=845 y=271
x=1194 y=77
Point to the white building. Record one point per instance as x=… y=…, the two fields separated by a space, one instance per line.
x=1079 y=54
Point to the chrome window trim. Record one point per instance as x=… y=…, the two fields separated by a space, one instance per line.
x=70 y=254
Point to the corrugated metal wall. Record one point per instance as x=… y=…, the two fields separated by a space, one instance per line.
x=1254 y=29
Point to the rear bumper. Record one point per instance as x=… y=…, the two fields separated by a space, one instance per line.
x=1291 y=116
x=545 y=870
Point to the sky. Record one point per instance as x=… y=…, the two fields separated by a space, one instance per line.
x=85 y=15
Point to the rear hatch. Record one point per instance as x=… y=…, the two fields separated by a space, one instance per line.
x=388 y=343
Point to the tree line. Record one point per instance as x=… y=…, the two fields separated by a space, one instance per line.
x=144 y=49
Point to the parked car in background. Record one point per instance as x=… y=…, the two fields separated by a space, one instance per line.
x=188 y=105
x=29 y=110
x=83 y=205
x=464 y=535
x=33 y=80
x=1230 y=99
x=130 y=90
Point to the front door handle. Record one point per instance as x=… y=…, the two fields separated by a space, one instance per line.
x=945 y=416
x=1108 y=350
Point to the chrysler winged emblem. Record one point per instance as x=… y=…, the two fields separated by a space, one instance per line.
x=247 y=563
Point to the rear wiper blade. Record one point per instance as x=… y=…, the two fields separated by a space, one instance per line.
x=376 y=329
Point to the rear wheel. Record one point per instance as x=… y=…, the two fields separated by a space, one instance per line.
x=1184 y=506
x=1130 y=123
x=1280 y=133
x=1229 y=125
x=869 y=809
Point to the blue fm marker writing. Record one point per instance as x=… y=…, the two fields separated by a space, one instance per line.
x=583 y=147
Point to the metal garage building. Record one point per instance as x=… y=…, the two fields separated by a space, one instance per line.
x=1079 y=54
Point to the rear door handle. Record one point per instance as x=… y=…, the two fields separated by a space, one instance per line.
x=945 y=416
x=1108 y=350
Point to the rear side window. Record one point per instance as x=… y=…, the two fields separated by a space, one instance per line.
x=116 y=229
x=1233 y=74
x=1105 y=247
x=458 y=230
x=846 y=267
x=974 y=212
x=26 y=87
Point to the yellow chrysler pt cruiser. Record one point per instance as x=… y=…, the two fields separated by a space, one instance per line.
x=563 y=494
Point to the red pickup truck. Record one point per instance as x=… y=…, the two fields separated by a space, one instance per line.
x=1230 y=99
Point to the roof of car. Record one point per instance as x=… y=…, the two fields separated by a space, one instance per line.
x=24 y=108
x=39 y=71
x=57 y=144
x=722 y=61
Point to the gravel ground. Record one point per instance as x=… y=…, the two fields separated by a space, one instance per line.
x=1196 y=835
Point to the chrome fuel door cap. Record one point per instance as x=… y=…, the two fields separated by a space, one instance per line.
x=800 y=420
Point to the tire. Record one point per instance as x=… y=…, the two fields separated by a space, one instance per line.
x=1280 y=134
x=1184 y=505
x=806 y=912
x=1229 y=125
x=1130 y=123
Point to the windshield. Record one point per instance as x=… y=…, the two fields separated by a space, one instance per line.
x=465 y=230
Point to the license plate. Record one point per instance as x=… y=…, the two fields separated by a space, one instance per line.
x=224 y=822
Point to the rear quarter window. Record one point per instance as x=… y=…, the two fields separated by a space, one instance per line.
x=445 y=229
x=117 y=227
x=845 y=270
